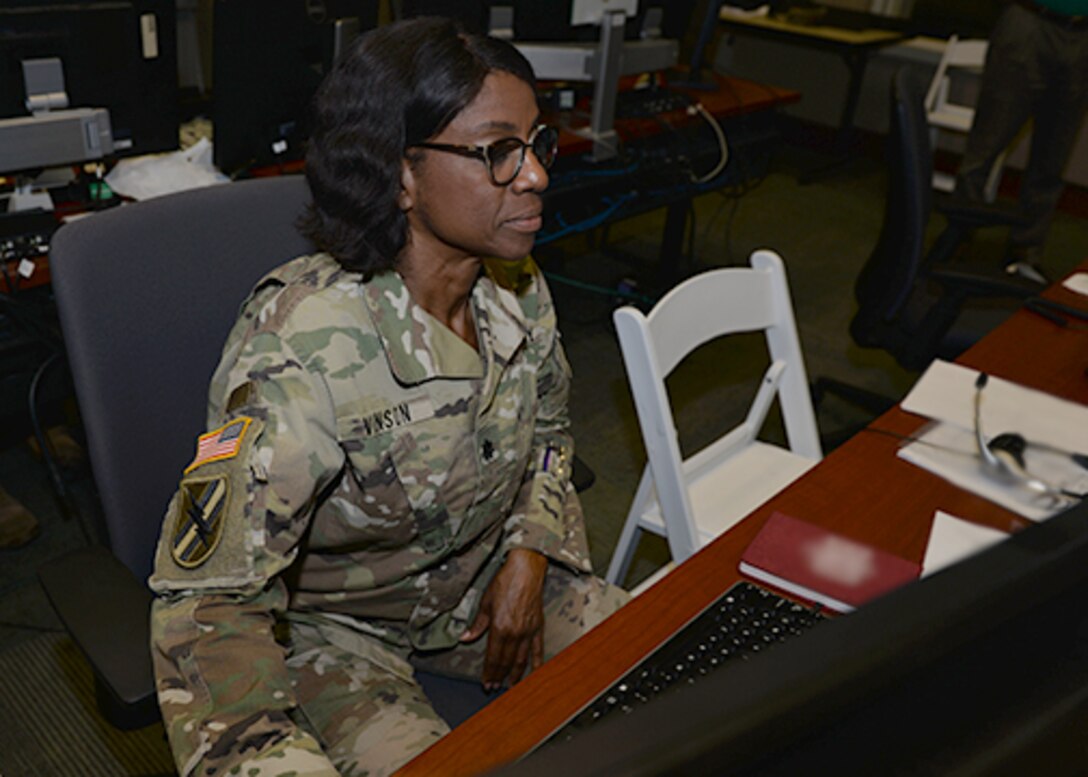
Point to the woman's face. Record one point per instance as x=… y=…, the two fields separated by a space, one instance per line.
x=454 y=210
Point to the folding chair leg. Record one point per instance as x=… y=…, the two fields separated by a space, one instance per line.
x=624 y=552
x=629 y=536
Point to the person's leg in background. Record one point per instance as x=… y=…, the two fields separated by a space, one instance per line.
x=1059 y=109
x=1004 y=101
x=1037 y=69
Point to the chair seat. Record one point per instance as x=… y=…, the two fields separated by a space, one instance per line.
x=970 y=326
x=725 y=494
x=944 y=182
x=952 y=117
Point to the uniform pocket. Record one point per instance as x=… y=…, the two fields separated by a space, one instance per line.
x=391 y=499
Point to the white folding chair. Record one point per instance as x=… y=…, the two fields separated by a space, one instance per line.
x=943 y=114
x=692 y=501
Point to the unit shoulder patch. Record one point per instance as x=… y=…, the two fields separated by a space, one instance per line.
x=198 y=523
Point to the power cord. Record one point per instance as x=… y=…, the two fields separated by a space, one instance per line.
x=623 y=290
x=723 y=144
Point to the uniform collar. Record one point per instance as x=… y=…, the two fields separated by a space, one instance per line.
x=419 y=347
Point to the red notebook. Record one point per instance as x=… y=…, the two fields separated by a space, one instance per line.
x=821 y=566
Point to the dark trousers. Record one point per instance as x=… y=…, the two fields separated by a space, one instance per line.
x=1035 y=69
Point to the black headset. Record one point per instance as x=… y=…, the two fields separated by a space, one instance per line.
x=1004 y=456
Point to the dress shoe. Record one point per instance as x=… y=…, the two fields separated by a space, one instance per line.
x=1024 y=261
x=68 y=453
x=18 y=526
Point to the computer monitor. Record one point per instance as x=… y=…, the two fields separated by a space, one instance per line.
x=473 y=15
x=553 y=21
x=116 y=54
x=965 y=18
x=268 y=59
x=981 y=668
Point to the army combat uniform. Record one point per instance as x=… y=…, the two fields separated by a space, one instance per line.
x=365 y=475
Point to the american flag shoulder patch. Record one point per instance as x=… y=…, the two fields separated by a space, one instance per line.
x=219 y=444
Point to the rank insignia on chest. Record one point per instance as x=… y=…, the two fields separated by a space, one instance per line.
x=221 y=443
x=198 y=524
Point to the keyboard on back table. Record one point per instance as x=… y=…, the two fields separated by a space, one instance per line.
x=745 y=620
x=647 y=103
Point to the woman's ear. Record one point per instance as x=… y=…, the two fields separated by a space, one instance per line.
x=406 y=198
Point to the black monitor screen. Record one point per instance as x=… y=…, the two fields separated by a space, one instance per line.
x=473 y=15
x=980 y=668
x=537 y=21
x=268 y=59
x=965 y=18
x=108 y=62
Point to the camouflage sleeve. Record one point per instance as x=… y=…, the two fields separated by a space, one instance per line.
x=223 y=688
x=232 y=527
x=546 y=516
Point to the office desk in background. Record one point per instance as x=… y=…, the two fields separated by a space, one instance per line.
x=731 y=98
x=862 y=490
x=651 y=171
x=853 y=46
x=38 y=277
x=582 y=191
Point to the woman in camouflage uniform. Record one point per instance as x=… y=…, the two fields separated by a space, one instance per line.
x=386 y=480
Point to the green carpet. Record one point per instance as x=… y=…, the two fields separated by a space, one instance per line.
x=48 y=722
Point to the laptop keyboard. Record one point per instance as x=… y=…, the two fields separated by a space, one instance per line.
x=744 y=621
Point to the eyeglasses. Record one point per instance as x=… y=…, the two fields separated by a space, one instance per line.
x=504 y=157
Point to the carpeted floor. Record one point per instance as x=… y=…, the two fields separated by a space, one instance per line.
x=49 y=726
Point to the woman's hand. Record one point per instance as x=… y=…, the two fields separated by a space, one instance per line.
x=512 y=608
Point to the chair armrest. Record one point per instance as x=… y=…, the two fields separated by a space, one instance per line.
x=968 y=213
x=106 y=612
x=582 y=477
x=976 y=282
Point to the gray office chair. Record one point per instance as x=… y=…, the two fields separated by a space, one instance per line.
x=917 y=303
x=921 y=300
x=146 y=295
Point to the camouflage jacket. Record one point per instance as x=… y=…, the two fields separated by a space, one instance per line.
x=366 y=465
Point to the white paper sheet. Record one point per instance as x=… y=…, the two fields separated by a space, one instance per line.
x=953 y=539
x=951 y=452
x=946 y=392
x=1077 y=282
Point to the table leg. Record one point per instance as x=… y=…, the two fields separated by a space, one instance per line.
x=855 y=62
x=673 y=265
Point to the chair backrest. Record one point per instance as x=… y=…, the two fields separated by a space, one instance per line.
x=702 y=308
x=146 y=295
x=889 y=275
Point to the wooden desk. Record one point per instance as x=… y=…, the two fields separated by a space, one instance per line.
x=39 y=277
x=861 y=490
x=854 y=47
x=584 y=195
x=732 y=98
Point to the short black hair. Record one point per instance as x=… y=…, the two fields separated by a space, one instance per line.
x=399 y=85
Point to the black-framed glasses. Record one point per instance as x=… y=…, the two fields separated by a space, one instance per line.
x=504 y=157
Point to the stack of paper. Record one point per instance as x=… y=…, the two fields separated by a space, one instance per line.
x=953 y=539
x=949 y=447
